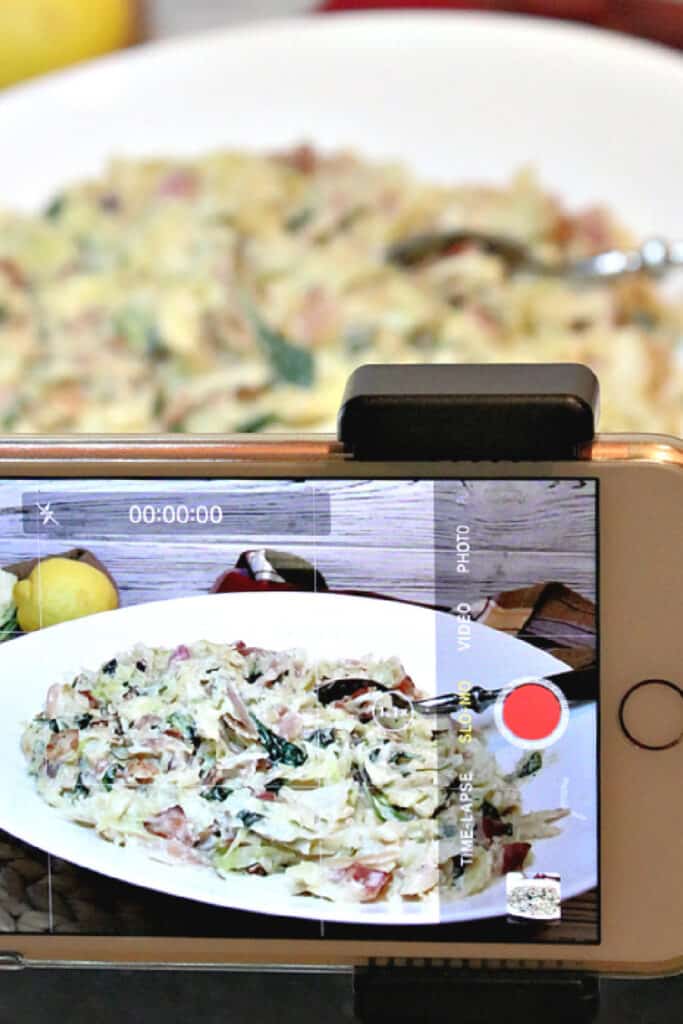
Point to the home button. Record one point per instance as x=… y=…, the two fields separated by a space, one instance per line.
x=651 y=714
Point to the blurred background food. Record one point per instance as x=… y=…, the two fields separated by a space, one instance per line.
x=238 y=291
x=235 y=290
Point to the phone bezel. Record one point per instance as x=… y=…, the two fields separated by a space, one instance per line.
x=608 y=458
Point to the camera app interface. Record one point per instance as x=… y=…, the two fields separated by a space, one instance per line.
x=330 y=709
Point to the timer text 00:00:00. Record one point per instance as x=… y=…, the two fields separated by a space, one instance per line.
x=175 y=515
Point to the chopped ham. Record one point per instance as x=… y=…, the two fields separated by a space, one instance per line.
x=147 y=721
x=245 y=650
x=289 y=724
x=240 y=712
x=169 y=851
x=317 y=318
x=181 y=653
x=52 y=700
x=594 y=227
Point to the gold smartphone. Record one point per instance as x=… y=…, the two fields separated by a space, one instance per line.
x=226 y=761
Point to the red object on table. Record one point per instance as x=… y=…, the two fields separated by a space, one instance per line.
x=661 y=20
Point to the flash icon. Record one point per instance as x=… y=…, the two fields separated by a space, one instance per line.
x=47 y=516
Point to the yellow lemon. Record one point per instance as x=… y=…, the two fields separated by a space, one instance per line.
x=59 y=589
x=39 y=35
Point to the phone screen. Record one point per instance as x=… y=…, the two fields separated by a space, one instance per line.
x=325 y=708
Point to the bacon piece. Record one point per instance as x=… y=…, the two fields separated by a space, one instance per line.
x=372 y=880
x=61 y=746
x=494 y=827
x=301 y=158
x=13 y=273
x=179 y=184
x=250 y=392
x=407 y=686
x=141 y=770
x=514 y=855
x=171 y=824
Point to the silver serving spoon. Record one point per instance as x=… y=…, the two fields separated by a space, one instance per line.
x=576 y=684
x=655 y=256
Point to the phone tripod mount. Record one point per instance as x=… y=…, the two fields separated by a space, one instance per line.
x=470 y=413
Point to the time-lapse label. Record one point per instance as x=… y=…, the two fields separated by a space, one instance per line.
x=294 y=511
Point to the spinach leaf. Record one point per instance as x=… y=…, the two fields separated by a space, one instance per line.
x=381 y=804
x=9 y=626
x=280 y=750
x=290 y=363
x=216 y=794
x=321 y=737
x=359 y=338
x=55 y=207
x=185 y=726
x=457 y=866
x=256 y=424
x=453 y=786
x=489 y=811
x=400 y=757
x=339 y=689
x=645 y=319
x=530 y=764
x=109 y=777
x=249 y=818
x=385 y=810
x=80 y=789
x=140 y=332
x=299 y=219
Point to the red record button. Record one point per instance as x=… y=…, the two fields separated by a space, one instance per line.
x=532 y=713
